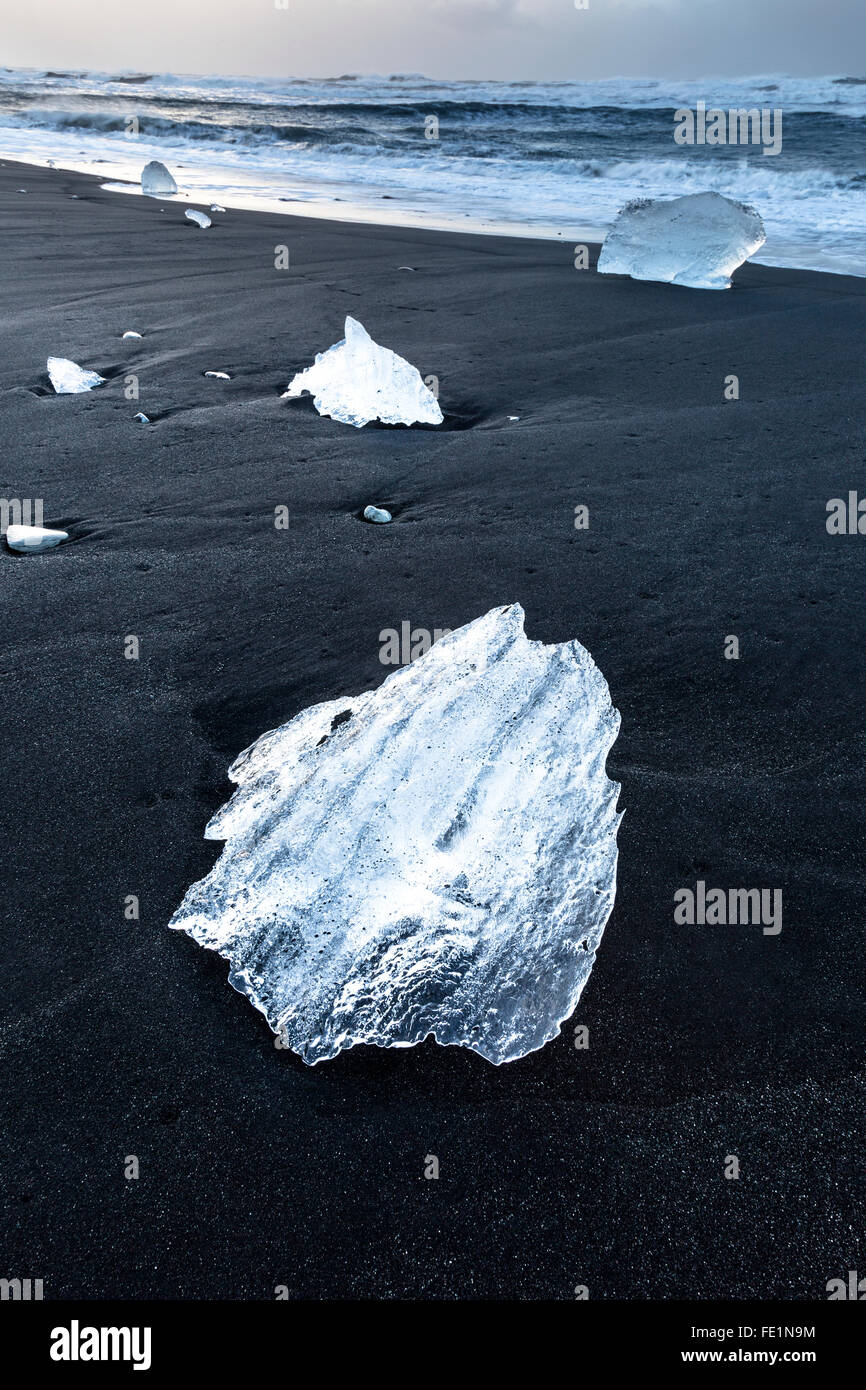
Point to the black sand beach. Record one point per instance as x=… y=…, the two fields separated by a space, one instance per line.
x=604 y=1167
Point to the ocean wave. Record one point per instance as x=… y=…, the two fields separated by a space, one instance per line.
x=841 y=92
x=516 y=130
x=551 y=155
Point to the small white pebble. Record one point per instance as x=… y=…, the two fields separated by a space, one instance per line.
x=376 y=514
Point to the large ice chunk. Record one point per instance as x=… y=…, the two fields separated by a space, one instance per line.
x=156 y=180
x=437 y=856
x=357 y=381
x=68 y=379
x=698 y=240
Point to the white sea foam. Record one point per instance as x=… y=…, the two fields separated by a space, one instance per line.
x=540 y=159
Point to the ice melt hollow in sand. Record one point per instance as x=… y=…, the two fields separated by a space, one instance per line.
x=201 y=219
x=698 y=240
x=33 y=538
x=69 y=379
x=437 y=856
x=156 y=181
x=357 y=381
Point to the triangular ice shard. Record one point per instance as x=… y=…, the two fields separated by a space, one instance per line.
x=357 y=381
x=68 y=379
x=437 y=856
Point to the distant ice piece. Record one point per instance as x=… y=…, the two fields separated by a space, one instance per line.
x=141 y=418
x=377 y=514
x=357 y=381
x=221 y=376
x=33 y=538
x=434 y=857
x=69 y=379
x=130 y=334
x=698 y=240
x=201 y=219
x=156 y=181
x=215 y=207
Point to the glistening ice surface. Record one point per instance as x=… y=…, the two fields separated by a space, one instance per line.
x=357 y=381
x=156 y=179
x=68 y=379
x=697 y=241
x=437 y=856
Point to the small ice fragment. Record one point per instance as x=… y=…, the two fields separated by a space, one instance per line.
x=22 y=190
x=131 y=334
x=514 y=417
x=405 y=267
x=68 y=379
x=376 y=514
x=215 y=207
x=156 y=181
x=698 y=240
x=222 y=376
x=434 y=857
x=200 y=219
x=357 y=381
x=33 y=538
x=141 y=418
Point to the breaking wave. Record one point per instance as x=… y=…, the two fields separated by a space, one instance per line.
x=550 y=158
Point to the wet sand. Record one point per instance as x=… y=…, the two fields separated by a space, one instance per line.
x=604 y=1167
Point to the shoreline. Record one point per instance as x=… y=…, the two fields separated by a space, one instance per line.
x=324 y=210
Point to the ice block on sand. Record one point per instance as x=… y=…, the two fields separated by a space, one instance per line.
x=156 y=181
x=436 y=857
x=33 y=538
x=68 y=379
x=357 y=381
x=698 y=240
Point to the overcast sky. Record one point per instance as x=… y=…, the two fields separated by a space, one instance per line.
x=507 y=39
